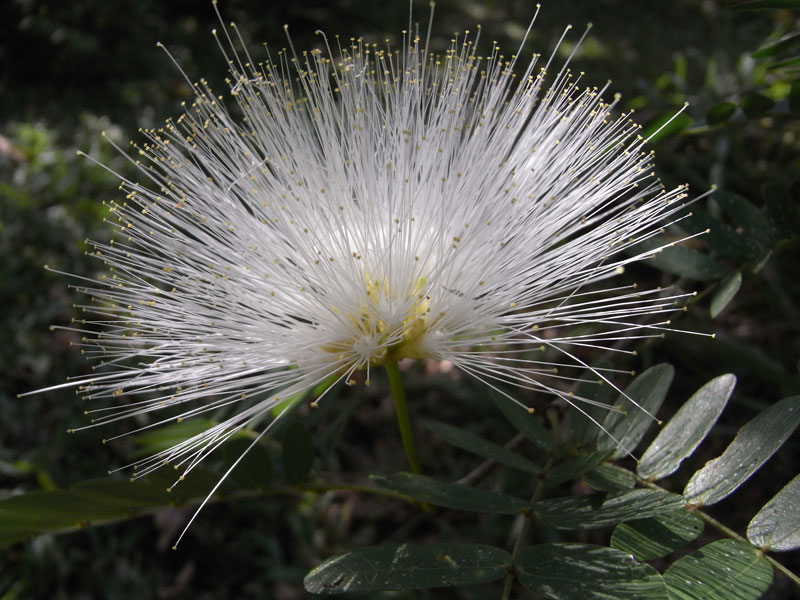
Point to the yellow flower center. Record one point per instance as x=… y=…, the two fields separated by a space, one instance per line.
x=380 y=334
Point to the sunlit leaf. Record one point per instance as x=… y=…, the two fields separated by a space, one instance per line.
x=725 y=293
x=648 y=391
x=722 y=570
x=752 y=446
x=600 y=510
x=657 y=536
x=571 y=571
x=451 y=495
x=582 y=427
x=473 y=443
x=408 y=567
x=777 y=525
x=686 y=429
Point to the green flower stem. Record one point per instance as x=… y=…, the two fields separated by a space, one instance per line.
x=401 y=408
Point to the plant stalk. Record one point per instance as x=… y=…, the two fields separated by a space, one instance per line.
x=403 y=421
x=537 y=495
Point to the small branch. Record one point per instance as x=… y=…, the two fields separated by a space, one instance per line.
x=537 y=494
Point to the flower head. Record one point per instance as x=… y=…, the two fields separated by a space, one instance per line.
x=363 y=205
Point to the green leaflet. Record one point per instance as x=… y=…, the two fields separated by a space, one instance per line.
x=648 y=390
x=451 y=495
x=749 y=217
x=722 y=570
x=408 y=567
x=725 y=293
x=756 y=105
x=254 y=470
x=36 y=512
x=686 y=429
x=122 y=492
x=609 y=478
x=482 y=447
x=721 y=237
x=752 y=446
x=163 y=438
x=682 y=261
x=528 y=425
x=777 y=525
x=601 y=510
x=575 y=467
x=657 y=536
x=588 y=572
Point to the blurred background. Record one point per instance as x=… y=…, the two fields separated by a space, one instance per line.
x=70 y=70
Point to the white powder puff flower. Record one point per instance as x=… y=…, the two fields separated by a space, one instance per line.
x=363 y=205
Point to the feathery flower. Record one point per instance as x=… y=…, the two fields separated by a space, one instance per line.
x=364 y=205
